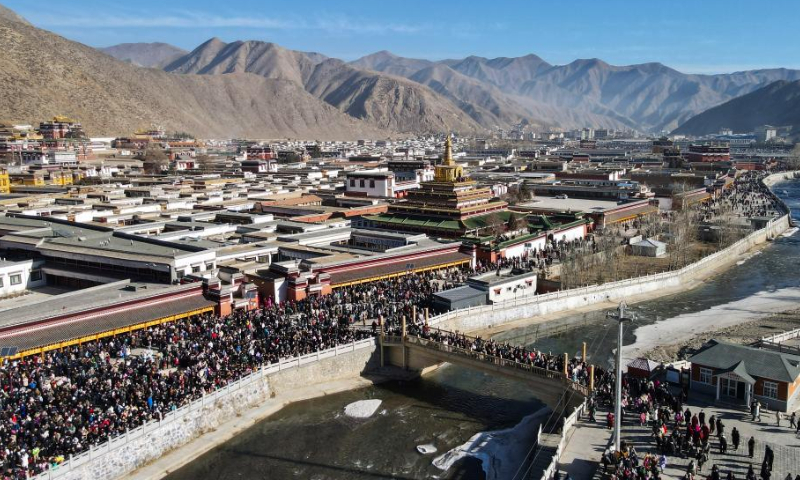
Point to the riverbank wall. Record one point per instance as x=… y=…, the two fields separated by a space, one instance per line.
x=491 y=316
x=774 y=178
x=275 y=383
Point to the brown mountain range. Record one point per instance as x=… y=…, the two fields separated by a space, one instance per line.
x=777 y=104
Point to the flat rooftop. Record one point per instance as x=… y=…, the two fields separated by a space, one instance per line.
x=36 y=323
x=576 y=204
x=492 y=278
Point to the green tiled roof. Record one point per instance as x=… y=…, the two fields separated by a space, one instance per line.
x=482 y=221
x=415 y=222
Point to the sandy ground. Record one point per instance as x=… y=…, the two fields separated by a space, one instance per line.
x=744 y=333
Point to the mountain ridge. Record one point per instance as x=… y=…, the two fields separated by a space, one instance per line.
x=386 y=101
x=151 y=55
x=43 y=74
x=776 y=104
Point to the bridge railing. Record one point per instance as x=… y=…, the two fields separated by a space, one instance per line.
x=566 y=434
x=392 y=340
x=495 y=360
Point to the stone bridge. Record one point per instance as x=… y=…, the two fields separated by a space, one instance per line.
x=415 y=353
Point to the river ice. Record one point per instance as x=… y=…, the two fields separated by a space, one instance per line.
x=687 y=326
x=501 y=452
x=362 y=408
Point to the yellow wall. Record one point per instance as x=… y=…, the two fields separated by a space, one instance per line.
x=5 y=182
x=61 y=178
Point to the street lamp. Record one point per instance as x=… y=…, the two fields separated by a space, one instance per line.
x=620 y=316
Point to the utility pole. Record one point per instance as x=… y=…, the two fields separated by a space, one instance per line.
x=621 y=316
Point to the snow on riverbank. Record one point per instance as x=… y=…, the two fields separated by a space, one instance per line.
x=362 y=408
x=687 y=326
x=501 y=452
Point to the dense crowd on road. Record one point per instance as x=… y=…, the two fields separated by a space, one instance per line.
x=747 y=197
x=61 y=402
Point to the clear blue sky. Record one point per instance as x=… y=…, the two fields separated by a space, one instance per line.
x=704 y=36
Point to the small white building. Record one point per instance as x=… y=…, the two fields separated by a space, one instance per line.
x=16 y=277
x=505 y=285
x=371 y=183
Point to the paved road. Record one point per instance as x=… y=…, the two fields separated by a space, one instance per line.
x=582 y=449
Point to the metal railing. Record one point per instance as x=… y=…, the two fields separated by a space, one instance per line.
x=569 y=422
x=105 y=449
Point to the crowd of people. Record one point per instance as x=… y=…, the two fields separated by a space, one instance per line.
x=677 y=432
x=577 y=370
x=61 y=402
x=748 y=197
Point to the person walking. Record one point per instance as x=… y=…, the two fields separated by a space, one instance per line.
x=766 y=464
x=720 y=428
x=757 y=411
x=702 y=458
x=793 y=420
x=751 y=446
x=778 y=418
x=735 y=439
x=751 y=474
x=712 y=424
x=691 y=470
x=723 y=445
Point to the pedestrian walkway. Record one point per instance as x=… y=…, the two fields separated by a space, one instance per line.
x=584 y=447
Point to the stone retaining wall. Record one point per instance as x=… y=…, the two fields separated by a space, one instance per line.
x=488 y=316
x=124 y=454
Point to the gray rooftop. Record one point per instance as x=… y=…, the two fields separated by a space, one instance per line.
x=782 y=367
x=460 y=293
x=80 y=300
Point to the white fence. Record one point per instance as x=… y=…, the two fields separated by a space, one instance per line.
x=114 y=455
x=775 y=225
x=569 y=422
x=782 y=337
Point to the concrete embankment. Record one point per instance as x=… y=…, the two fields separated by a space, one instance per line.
x=158 y=448
x=546 y=309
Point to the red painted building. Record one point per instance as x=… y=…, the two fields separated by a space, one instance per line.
x=709 y=153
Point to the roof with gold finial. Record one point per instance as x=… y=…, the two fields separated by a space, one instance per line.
x=448 y=152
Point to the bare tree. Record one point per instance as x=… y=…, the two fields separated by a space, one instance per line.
x=204 y=163
x=154 y=159
x=793 y=160
x=517 y=222
x=495 y=224
x=684 y=231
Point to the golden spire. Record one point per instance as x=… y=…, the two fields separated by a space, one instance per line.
x=448 y=152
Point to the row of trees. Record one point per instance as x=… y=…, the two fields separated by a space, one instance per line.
x=155 y=160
